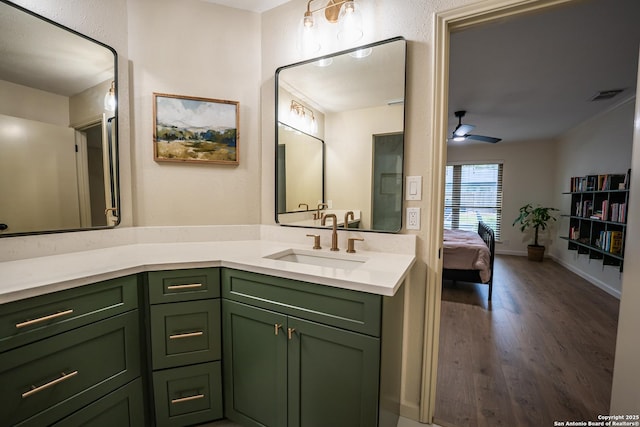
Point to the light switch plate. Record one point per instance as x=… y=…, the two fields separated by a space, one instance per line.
x=414 y=188
x=413 y=218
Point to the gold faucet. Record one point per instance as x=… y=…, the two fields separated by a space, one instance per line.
x=334 y=234
x=346 y=218
x=318 y=215
x=306 y=206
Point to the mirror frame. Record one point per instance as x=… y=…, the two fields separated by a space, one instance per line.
x=112 y=136
x=404 y=119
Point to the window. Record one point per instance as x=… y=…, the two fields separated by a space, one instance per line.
x=473 y=193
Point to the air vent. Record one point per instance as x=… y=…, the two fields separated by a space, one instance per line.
x=606 y=94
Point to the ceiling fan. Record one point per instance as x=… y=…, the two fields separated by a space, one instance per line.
x=461 y=131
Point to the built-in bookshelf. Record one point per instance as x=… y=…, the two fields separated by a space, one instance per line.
x=598 y=216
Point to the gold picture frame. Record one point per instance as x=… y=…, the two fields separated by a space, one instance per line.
x=195 y=130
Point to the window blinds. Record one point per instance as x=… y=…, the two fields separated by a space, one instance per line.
x=473 y=193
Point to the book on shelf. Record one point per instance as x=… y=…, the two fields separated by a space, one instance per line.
x=602 y=182
x=615 y=246
x=574 y=233
x=610 y=241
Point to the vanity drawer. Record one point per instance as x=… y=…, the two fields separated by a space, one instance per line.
x=185 y=333
x=188 y=395
x=343 y=308
x=28 y=320
x=123 y=408
x=183 y=285
x=47 y=380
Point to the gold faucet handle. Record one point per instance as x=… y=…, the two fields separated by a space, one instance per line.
x=350 y=245
x=316 y=240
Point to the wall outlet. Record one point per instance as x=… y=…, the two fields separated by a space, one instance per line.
x=413 y=218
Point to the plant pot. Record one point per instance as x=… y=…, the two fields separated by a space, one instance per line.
x=535 y=253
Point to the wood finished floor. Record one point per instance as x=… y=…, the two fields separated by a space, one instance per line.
x=542 y=351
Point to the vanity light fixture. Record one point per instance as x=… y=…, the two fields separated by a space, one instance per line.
x=110 y=98
x=346 y=13
x=302 y=118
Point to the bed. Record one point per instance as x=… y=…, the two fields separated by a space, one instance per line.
x=469 y=256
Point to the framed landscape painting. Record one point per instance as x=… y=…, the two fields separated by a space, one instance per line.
x=198 y=130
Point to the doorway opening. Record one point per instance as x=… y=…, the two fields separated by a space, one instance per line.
x=449 y=22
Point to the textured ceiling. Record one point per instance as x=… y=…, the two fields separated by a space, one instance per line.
x=253 y=5
x=532 y=76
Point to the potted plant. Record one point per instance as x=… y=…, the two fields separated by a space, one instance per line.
x=538 y=218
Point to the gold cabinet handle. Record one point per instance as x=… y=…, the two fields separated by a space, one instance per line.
x=290 y=332
x=187 y=335
x=276 y=327
x=43 y=318
x=187 y=286
x=35 y=389
x=187 y=399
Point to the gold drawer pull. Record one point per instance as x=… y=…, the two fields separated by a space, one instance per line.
x=43 y=319
x=276 y=327
x=188 y=398
x=290 y=332
x=35 y=389
x=187 y=286
x=187 y=335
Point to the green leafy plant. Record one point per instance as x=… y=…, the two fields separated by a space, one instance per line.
x=536 y=217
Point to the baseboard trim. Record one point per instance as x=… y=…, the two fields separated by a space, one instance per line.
x=589 y=278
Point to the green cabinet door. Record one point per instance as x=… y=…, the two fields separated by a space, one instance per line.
x=332 y=376
x=255 y=365
x=122 y=408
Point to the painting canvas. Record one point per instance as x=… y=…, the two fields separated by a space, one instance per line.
x=190 y=129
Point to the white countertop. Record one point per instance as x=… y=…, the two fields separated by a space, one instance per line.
x=381 y=273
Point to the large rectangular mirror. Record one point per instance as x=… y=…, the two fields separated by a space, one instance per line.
x=58 y=144
x=340 y=138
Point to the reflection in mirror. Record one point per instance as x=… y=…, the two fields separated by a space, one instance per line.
x=58 y=146
x=300 y=165
x=352 y=104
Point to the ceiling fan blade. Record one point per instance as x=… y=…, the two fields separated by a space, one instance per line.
x=462 y=130
x=484 y=138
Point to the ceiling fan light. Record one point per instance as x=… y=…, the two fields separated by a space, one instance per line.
x=459 y=138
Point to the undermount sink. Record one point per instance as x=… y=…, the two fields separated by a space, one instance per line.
x=322 y=259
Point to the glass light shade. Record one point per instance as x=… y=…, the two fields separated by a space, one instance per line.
x=350 y=22
x=361 y=53
x=459 y=138
x=110 y=98
x=308 y=38
x=324 y=62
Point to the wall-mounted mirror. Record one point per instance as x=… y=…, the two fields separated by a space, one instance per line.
x=340 y=138
x=58 y=144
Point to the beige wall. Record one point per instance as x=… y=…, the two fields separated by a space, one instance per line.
x=87 y=106
x=33 y=104
x=599 y=146
x=194 y=48
x=524 y=181
x=625 y=394
x=48 y=193
x=349 y=155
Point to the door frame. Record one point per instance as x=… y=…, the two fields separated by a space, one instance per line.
x=444 y=23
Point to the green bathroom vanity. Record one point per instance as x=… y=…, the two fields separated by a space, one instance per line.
x=187 y=333
x=73 y=357
x=300 y=354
